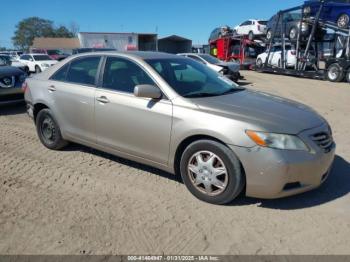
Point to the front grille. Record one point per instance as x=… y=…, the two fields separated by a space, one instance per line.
x=324 y=140
x=225 y=71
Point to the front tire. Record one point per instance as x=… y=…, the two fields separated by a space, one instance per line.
x=37 y=69
x=211 y=172
x=335 y=73
x=259 y=63
x=48 y=130
x=343 y=21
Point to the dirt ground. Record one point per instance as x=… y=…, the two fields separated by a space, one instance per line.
x=81 y=201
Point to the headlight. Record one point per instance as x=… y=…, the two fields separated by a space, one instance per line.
x=45 y=65
x=304 y=27
x=277 y=141
x=307 y=10
x=22 y=78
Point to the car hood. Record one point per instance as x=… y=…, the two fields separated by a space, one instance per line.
x=10 y=71
x=17 y=64
x=234 y=67
x=269 y=113
x=50 y=62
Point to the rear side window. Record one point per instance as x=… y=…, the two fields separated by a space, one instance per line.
x=84 y=70
x=123 y=75
x=61 y=74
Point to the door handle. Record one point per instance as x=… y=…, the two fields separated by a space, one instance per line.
x=52 y=88
x=102 y=99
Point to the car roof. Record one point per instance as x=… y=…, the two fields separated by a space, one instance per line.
x=144 y=55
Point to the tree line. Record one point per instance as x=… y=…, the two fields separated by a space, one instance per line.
x=29 y=28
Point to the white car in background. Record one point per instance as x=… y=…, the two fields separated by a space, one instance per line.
x=251 y=28
x=228 y=69
x=37 y=63
x=275 y=58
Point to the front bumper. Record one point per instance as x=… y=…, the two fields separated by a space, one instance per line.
x=234 y=76
x=11 y=95
x=272 y=173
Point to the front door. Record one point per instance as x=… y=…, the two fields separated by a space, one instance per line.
x=137 y=126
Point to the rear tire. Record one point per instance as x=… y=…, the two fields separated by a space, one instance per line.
x=343 y=21
x=348 y=76
x=269 y=35
x=217 y=165
x=335 y=73
x=48 y=130
x=293 y=34
x=251 y=36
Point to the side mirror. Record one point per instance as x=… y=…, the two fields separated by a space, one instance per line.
x=148 y=91
x=31 y=59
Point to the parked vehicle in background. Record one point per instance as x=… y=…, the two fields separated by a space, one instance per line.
x=335 y=11
x=251 y=28
x=291 y=23
x=228 y=69
x=178 y=115
x=275 y=58
x=11 y=80
x=9 y=61
x=220 y=32
x=87 y=50
x=37 y=63
x=55 y=54
x=13 y=54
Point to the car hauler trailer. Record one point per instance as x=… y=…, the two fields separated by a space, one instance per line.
x=238 y=49
x=311 y=61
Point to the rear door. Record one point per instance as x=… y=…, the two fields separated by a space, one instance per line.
x=72 y=90
x=135 y=126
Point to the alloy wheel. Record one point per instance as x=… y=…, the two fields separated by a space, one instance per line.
x=208 y=173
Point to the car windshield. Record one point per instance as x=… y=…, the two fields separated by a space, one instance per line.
x=41 y=57
x=54 y=52
x=191 y=79
x=210 y=59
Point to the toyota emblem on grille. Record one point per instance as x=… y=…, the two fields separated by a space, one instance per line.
x=7 y=81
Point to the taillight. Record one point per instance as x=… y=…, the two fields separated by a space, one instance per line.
x=25 y=86
x=259 y=28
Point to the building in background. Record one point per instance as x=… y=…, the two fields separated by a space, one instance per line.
x=65 y=45
x=119 y=41
x=175 y=44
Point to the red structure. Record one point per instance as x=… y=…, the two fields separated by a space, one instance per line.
x=239 y=49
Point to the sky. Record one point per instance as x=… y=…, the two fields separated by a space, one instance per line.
x=193 y=19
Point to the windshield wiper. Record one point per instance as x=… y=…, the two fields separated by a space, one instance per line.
x=232 y=90
x=203 y=94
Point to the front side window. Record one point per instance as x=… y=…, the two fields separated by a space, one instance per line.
x=123 y=75
x=196 y=58
x=24 y=57
x=83 y=70
x=210 y=59
x=191 y=79
x=41 y=57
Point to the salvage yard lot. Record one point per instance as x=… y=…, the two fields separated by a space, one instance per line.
x=82 y=201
